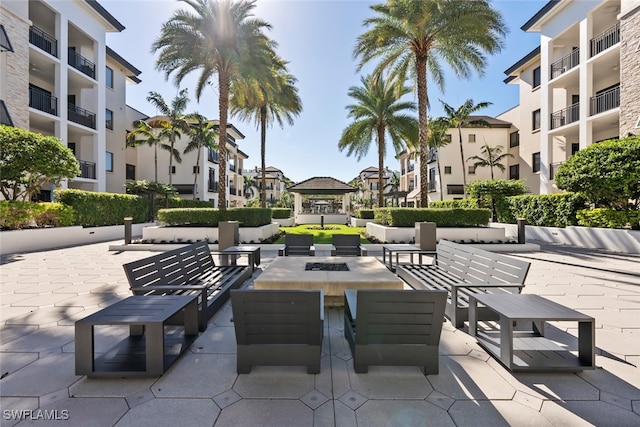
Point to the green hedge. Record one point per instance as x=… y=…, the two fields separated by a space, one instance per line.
x=609 y=218
x=280 y=213
x=545 y=210
x=407 y=217
x=99 y=209
x=469 y=203
x=15 y=215
x=364 y=213
x=209 y=217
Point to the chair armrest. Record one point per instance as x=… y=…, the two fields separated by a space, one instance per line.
x=488 y=285
x=333 y=250
x=312 y=250
x=350 y=302
x=172 y=287
x=322 y=306
x=282 y=251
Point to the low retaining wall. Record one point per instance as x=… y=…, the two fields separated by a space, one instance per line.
x=359 y=222
x=408 y=234
x=328 y=218
x=284 y=222
x=175 y=234
x=38 y=239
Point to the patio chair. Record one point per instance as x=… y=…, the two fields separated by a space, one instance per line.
x=347 y=245
x=394 y=327
x=298 y=244
x=278 y=327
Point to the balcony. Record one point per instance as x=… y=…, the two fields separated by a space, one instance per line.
x=431 y=186
x=607 y=100
x=605 y=40
x=553 y=169
x=565 y=64
x=431 y=155
x=233 y=191
x=565 y=116
x=232 y=167
x=82 y=64
x=44 y=41
x=213 y=156
x=212 y=186
x=43 y=101
x=81 y=116
x=87 y=169
x=5 y=118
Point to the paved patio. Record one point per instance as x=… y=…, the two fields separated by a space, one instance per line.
x=43 y=293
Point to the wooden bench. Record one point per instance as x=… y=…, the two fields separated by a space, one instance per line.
x=185 y=271
x=278 y=327
x=297 y=244
x=347 y=245
x=463 y=270
x=389 y=327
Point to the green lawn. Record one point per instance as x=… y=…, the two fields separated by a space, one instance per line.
x=323 y=235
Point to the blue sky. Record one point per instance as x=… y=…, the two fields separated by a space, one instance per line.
x=317 y=38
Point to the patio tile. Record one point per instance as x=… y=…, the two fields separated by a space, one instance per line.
x=340 y=381
x=391 y=382
x=12 y=362
x=171 y=412
x=48 y=374
x=84 y=412
x=440 y=400
x=227 y=398
x=9 y=333
x=43 y=316
x=402 y=413
x=616 y=377
x=265 y=413
x=353 y=399
x=216 y=339
x=323 y=382
x=496 y=413
x=139 y=398
x=274 y=382
x=42 y=300
x=314 y=399
x=42 y=340
x=557 y=386
x=594 y=413
x=110 y=387
x=15 y=406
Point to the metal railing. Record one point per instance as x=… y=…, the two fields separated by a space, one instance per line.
x=87 y=169
x=565 y=64
x=81 y=116
x=232 y=191
x=431 y=186
x=565 y=116
x=5 y=118
x=213 y=156
x=605 y=101
x=455 y=189
x=43 y=101
x=605 y=40
x=212 y=186
x=553 y=169
x=44 y=41
x=81 y=63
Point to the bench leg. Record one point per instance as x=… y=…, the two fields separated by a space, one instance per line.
x=84 y=349
x=155 y=348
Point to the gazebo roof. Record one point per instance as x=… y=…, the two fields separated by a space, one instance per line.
x=321 y=185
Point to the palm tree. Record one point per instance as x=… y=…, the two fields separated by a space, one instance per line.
x=491 y=157
x=394 y=186
x=413 y=36
x=217 y=37
x=248 y=182
x=457 y=119
x=437 y=138
x=266 y=94
x=203 y=135
x=145 y=133
x=379 y=111
x=173 y=124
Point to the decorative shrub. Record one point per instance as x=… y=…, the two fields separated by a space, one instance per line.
x=99 y=209
x=469 y=203
x=407 y=217
x=210 y=217
x=545 y=210
x=17 y=215
x=364 y=213
x=609 y=218
x=55 y=215
x=280 y=213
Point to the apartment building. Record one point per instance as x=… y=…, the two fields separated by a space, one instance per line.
x=59 y=78
x=275 y=183
x=580 y=86
x=368 y=188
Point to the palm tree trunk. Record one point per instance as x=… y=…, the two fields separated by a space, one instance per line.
x=381 y=166
x=155 y=159
x=423 y=103
x=439 y=176
x=263 y=146
x=195 y=179
x=223 y=103
x=464 y=172
x=171 y=162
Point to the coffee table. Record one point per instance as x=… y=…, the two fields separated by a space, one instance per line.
x=253 y=252
x=406 y=249
x=529 y=350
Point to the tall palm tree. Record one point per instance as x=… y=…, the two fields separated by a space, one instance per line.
x=437 y=138
x=379 y=110
x=266 y=94
x=460 y=117
x=173 y=123
x=217 y=37
x=145 y=133
x=203 y=134
x=394 y=186
x=413 y=36
x=248 y=182
x=491 y=157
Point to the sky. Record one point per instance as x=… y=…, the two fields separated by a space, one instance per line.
x=317 y=38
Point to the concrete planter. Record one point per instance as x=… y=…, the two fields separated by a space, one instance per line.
x=359 y=222
x=174 y=234
x=408 y=234
x=315 y=218
x=14 y=241
x=284 y=222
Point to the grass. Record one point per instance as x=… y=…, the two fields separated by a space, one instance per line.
x=322 y=235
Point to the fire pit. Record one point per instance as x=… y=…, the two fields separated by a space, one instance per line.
x=326 y=266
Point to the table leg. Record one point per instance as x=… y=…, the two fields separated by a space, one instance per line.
x=155 y=348
x=191 y=318
x=84 y=349
x=586 y=343
x=384 y=255
x=506 y=341
x=473 y=318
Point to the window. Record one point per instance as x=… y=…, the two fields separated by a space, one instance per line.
x=212 y=184
x=447 y=170
x=472 y=137
x=109 y=77
x=535 y=162
x=109 y=162
x=173 y=170
x=535 y=120
x=514 y=139
x=196 y=169
x=109 y=119
x=130 y=172
x=575 y=147
x=536 y=77
x=472 y=170
x=514 y=172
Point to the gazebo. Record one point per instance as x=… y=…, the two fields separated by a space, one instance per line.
x=320 y=211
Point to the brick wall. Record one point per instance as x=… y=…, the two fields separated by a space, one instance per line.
x=15 y=74
x=629 y=73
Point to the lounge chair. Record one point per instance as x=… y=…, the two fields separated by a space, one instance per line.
x=298 y=244
x=347 y=245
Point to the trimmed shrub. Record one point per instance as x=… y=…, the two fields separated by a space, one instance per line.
x=364 y=213
x=280 y=213
x=100 y=209
x=210 y=217
x=469 y=203
x=15 y=215
x=545 y=210
x=55 y=215
x=407 y=217
x=609 y=218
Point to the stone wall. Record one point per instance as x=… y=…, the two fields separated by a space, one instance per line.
x=15 y=71
x=630 y=72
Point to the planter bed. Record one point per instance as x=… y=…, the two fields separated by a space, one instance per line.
x=407 y=234
x=176 y=234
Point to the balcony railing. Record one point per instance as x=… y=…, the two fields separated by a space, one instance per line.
x=605 y=101
x=81 y=116
x=605 y=40
x=455 y=189
x=431 y=155
x=87 y=169
x=212 y=186
x=565 y=64
x=553 y=170
x=565 y=116
x=232 y=167
x=213 y=156
x=5 y=118
x=44 y=41
x=43 y=101
x=233 y=191
x=431 y=186
x=82 y=64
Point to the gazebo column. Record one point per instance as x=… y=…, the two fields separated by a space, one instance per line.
x=297 y=205
x=345 y=203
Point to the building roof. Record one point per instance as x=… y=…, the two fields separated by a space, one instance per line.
x=321 y=185
x=492 y=121
x=524 y=60
x=535 y=19
x=134 y=71
x=105 y=14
